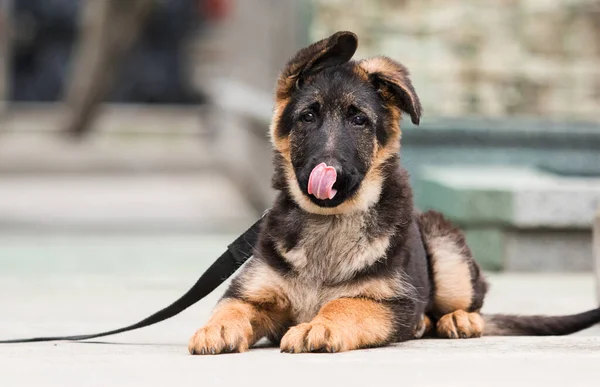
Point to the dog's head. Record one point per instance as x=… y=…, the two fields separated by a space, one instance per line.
x=336 y=122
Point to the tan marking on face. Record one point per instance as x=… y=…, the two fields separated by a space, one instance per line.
x=281 y=144
x=392 y=146
x=342 y=325
x=286 y=84
x=382 y=154
x=452 y=277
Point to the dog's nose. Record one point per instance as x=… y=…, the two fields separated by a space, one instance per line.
x=329 y=161
x=337 y=166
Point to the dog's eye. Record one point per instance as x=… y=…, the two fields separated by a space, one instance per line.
x=308 y=117
x=359 y=120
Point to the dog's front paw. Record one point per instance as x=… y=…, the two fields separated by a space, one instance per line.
x=315 y=337
x=221 y=338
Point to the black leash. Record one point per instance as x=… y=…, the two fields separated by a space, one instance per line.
x=236 y=254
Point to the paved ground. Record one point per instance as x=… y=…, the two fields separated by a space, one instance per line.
x=65 y=285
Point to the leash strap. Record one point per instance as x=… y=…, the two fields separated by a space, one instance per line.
x=236 y=254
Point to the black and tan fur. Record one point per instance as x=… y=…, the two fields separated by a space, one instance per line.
x=363 y=269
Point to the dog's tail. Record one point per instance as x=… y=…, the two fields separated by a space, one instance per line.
x=514 y=325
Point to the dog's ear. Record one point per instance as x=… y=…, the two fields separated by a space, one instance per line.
x=393 y=82
x=334 y=50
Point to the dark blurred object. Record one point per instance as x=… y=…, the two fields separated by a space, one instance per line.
x=151 y=71
x=44 y=34
x=109 y=33
x=154 y=71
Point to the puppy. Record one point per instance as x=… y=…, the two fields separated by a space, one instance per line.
x=344 y=261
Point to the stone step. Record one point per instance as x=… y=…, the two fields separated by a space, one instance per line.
x=199 y=202
x=516 y=219
x=519 y=196
x=124 y=138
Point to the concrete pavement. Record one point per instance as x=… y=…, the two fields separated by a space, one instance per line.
x=69 y=285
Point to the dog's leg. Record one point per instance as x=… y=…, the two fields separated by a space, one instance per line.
x=423 y=328
x=234 y=327
x=459 y=285
x=253 y=307
x=342 y=325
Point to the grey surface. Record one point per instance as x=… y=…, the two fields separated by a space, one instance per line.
x=543 y=250
x=60 y=284
x=193 y=202
x=554 y=201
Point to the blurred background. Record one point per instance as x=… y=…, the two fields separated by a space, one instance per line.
x=136 y=131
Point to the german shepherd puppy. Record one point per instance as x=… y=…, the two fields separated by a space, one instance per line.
x=344 y=261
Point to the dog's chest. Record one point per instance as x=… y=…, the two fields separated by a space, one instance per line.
x=331 y=251
x=306 y=299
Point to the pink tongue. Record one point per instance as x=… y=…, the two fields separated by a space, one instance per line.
x=321 y=180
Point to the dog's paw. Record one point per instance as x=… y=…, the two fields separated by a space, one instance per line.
x=460 y=324
x=423 y=327
x=315 y=337
x=221 y=338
